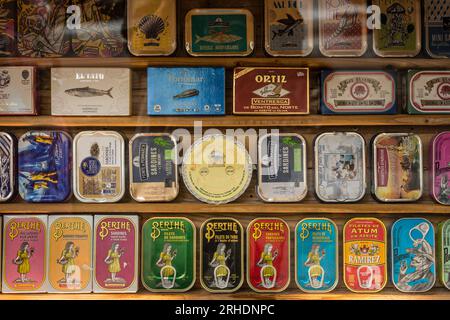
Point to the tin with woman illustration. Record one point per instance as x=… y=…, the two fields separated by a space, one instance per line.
x=443 y=253
x=440 y=168
x=8 y=160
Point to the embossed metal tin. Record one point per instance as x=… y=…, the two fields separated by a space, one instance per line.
x=340 y=167
x=365 y=255
x=397 y=167
x=45 y=166
x=99 y=166
x=221 y=255
x=7 y=166
x=282 y=167
x=289 y=27
x=219 y=32
x=268 y=255
x=437 y=28
x=168 y=254
x=153 y=167
x=8 y=21
x=440 y=168
x=443 y=253
x=18 y=90
x=316 y=255
x=413 y=255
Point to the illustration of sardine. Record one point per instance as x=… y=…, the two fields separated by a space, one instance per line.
x=187 y=94
x=87 y=92
x=290 y=24
x=218 y=37
x=348 y=20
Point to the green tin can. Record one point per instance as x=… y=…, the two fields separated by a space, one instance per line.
x=444 y=253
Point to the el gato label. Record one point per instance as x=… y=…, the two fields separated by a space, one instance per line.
x=429 y=91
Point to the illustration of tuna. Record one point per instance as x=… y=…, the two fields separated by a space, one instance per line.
x=87 y=92
x=187 y=94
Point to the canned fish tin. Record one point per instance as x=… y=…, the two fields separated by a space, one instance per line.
x=17 y=90
x=45 y=166
x=397 y=167
x=222 y=255
x=400 y=32
x=289 y=27
x=219 y=32
x=358 y=92
x=7 y=28
x=365 y=255
x=268 y=255
x=437 y=28
x=153 y=167
x=282 y=167
x=168 y=254
x=443 y=252
x=413 y=257
x=340 y=167
x=217 y=169
x=7 y=166
x=440 y=168
x=316 y=255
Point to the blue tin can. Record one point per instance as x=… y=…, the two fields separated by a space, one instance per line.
x=437 y=28
x=413 y=255
x=45 y=166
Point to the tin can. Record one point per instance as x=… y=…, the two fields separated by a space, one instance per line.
x=268 y=255
x=316 y=255
x=219 y=32
x=397 y=167
x=358 y=92
x=282 y=167
x=24 y=254
x=261 y=90
x=186 y=91
x=437 y=28
x=413 y=257
x=7 y=28
x=18 y=91
x=7 y=166
x=168 y=254
x=221 y=255
x=99 y=166
x=45 y=166
x=342 y=28
x=443 y=251
x=153 y=167
x=340 y=167
x=365 y=255
x=440 y=168
x=289 y=27
x=217 y=169
x=401 y=30
x=152 y=27
x=116 y=253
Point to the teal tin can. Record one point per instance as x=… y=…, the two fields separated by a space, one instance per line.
x=316 y=255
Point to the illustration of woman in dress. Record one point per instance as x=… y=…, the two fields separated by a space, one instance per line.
x=268 y=271
x=344 y=170
x=22 y=261
x=219 y=263
x=67 y=260
x=315 y=270
x=113 y=262
x=167 y=272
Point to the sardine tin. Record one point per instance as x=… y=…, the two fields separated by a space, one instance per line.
x=7 y=166
x=440 y=167
x=282 y=167
x=413 y=255
x=340 y=167
x=437 y=28
x=153 y=167
x=219 y=32
x=316 y=255
x=443 y=252
x=221 y=255
x=18 y=91
x=7 y=28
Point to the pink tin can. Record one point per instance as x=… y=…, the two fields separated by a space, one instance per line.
x=440 y=168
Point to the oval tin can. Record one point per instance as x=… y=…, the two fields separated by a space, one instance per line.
x=221 y=255
x=45 y=166
x=413 y=255
x=437 y=30
x=168 y=254
x=397 y=167
x=99 y=166
x=440 y=168
x=340 y=167
x=7 y=166
x=443 y=252
x=365 y=255
x=268 y=255
x=316 y=255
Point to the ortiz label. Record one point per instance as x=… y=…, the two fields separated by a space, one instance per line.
x=365 y=258
x=444 y=253
x=428 y=92
x=440 y=168
x=437 y=25
x=268 y=256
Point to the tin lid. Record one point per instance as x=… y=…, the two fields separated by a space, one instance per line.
x=443 y=247
x=18 y=90
x=429 y=91
x=7 y=166
x=439 y=166
x=436 y=32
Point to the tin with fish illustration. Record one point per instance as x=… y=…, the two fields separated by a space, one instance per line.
x=437 y=28
x=18 y=90
x=413 y=255
x=440 y=168
x=8 y=21
x=443 y=253
x=8 y=159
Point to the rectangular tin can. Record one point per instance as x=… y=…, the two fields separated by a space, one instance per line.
x=289 y=27
x=282 y=167
x=221 y=255
x=219 y=32
x=437 y=28
x=7 y=166
x=365 y=255
x=168 y=254
x=152 y=27
x=397 y=167
x=91 y=91
x=45 y=166
x=153 y=167
x=262 y=90
x=400 y=34
x=342 y=28
x=186 y=91
x=116 y=251
x=428 y=92
x=443 y=252
x=99 y=166
x=18 y=91
x=268 y=255
x=358 y=92
x=8 y=13
x=24 y=254
x=413 y=255
x=340 y=167
x=440 y=168
x=316 y=255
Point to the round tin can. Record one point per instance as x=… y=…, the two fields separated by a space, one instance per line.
x=440 y=168
x=443 y=251
x=7 y=166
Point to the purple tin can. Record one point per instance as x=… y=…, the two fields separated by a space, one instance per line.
x=440 y=168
